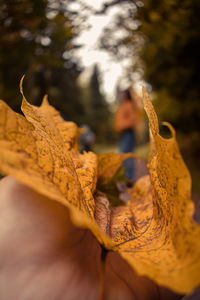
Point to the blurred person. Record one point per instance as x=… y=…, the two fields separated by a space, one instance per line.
x=125 y=121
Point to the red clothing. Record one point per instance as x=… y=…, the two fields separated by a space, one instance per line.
x=126 y=116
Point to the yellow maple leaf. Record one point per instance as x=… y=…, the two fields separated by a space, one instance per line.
x=109 y=163
x=42 y=152
x=154 y=231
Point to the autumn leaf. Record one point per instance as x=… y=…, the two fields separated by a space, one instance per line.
x=109 y=163
x=153 y=232
x=41 y=151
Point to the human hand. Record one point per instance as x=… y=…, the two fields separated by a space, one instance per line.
x=44 y=256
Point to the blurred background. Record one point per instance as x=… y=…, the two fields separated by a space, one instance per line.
x=82 y=53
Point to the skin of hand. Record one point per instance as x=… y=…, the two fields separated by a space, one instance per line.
x=44 y=256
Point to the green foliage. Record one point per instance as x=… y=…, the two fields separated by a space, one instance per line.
x=173 y=45
x=34 y=37
x=171 y=57
x=109 y=187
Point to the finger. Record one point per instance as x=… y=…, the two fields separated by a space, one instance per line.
x=43 y=256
